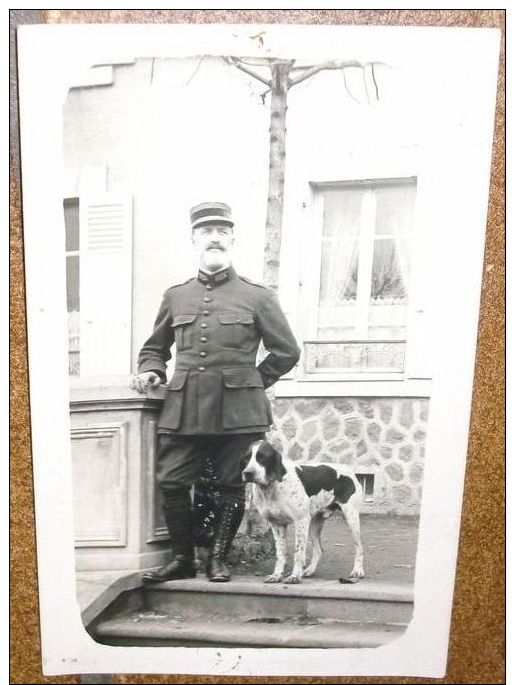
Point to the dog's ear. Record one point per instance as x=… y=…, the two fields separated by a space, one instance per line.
x=245 y=459
x=276 y=470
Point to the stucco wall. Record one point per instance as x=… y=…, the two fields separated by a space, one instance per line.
x=172 y=133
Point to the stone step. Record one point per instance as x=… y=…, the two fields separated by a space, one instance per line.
x=313 y=598
x=152 y=629
x=248 y=612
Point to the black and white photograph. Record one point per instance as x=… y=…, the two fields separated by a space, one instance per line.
x=257 y=302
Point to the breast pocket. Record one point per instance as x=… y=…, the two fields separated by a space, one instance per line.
x=183 y=328
x=236 y=329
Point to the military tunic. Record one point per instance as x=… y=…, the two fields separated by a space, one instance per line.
x=217 y=322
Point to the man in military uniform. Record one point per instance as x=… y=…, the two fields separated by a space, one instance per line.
x=215 y=403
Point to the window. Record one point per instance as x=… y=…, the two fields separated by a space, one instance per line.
x=359 y=277
x=366 y=481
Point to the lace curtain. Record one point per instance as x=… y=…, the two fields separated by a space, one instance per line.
x=376 y=218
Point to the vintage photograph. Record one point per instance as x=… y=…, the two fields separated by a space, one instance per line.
x=256 y=250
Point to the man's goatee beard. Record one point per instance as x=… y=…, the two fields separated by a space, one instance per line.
x=216 y=260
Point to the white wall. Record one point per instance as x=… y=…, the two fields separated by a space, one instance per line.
x=177 y=132
x=172 y=145
x=336 y=133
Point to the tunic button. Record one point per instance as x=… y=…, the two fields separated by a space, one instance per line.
x=203 y=354
x=203 y=339
x=203 y=325
x=206 y=312
x=209 y=287
x=207 y=299
x=201 y=368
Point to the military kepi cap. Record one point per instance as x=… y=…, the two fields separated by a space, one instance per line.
x=211 y=212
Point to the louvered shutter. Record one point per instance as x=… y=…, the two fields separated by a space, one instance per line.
x=105 y=284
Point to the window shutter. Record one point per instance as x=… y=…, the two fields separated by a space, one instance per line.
x=105 y=284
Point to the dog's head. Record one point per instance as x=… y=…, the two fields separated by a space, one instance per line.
x=262 y=464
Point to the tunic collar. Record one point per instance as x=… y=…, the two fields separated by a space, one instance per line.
x=218 y=277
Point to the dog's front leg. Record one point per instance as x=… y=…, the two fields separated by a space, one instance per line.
x=280 y=553
x=301 y=541
x=351 y=513
x=315 y=533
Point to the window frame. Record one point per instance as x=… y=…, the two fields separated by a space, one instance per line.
x=366 y=242
x=338 y=381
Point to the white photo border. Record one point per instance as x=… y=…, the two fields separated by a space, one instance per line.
x=49 y=56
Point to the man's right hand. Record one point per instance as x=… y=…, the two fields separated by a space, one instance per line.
x=142 y=381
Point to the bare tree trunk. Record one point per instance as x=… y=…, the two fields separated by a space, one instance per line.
x=279 y=93
x=279 y=84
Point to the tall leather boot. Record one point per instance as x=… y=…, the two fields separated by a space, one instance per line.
x=228 y=518
x=179 y=520
x=204 y=508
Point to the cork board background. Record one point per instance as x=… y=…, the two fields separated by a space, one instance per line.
x=476 y=650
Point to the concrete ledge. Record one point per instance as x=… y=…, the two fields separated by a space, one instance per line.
x=158 y=629
x=96 y=590
x=112 y=390
x=309 y=588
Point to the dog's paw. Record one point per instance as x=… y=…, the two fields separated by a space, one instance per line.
x=308 y=572
x=357 y=573
x=274 y=578
x=292 y=580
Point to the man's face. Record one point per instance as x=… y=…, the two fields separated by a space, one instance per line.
x=214 y=244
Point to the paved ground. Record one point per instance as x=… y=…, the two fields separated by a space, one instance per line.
x=390 y=545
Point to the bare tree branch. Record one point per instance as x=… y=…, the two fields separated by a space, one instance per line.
x=239 y=65
x=348 y=89
x=194 y=72
x=365 y=83
x=369 y=80
x=311 y=71
x=263 y=95
x=373 y=73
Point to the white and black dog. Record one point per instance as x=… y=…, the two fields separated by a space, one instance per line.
x=287 y=492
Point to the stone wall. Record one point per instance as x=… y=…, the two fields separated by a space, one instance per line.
x=382 y=437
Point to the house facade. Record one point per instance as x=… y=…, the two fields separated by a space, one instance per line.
x=144 y=140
